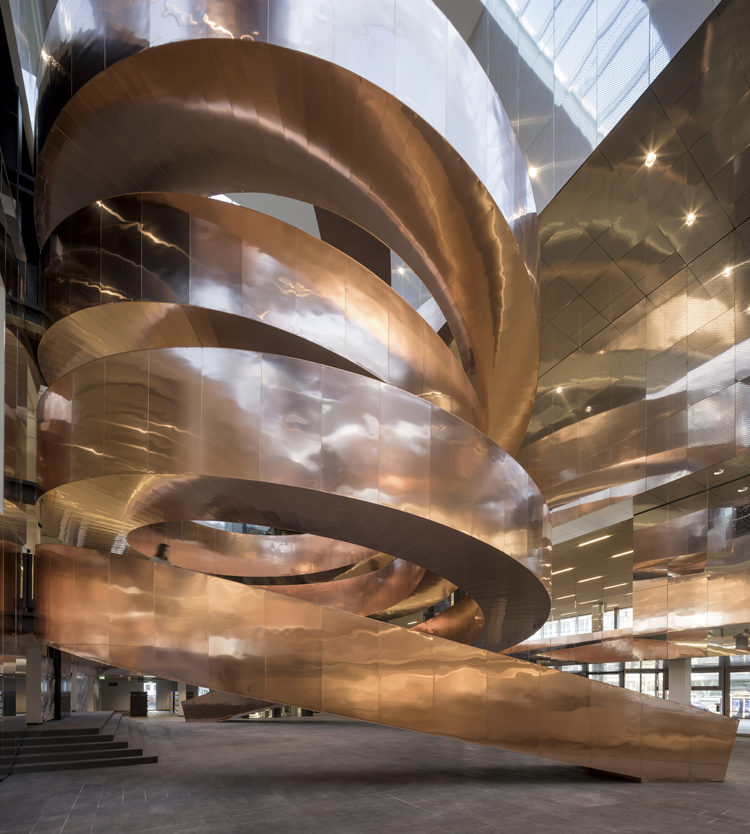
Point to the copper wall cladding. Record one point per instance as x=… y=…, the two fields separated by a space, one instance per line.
x=186 y=403
x=645 y=333
x=643 y=397
x=351 y=458
x=220 y=706
x=211 y=262
x=150 y=617
x=378 y=165
x=409 y=58
x=691 y=571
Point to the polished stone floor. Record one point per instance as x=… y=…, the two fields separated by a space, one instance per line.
x=322 y=774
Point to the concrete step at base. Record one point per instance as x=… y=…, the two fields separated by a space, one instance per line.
x=113 y=749
x=88 y=739
x=32 y=732
x=89 y=754
x=81 y=764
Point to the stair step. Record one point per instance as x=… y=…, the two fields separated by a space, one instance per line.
x=36 y=732
x=67 y=757
x=83 y=746
x=87 y=739
x=55 y=749
x=80 y=764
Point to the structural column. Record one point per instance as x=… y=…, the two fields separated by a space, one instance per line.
x=679 y=681
x=33 y=682
x=163 y=689
x=92 y=693
x=181 y=696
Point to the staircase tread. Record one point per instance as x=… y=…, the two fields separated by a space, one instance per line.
x=102 y=739
x=74 y=756
x=85 y=763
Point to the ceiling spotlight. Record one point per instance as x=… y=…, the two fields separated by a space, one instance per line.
x=400 y=270
x=587 y=409
x=558 y=390
x=727 y=271
x=650 y=159
x=719 y=472
x=690 y=219
x=532 y=172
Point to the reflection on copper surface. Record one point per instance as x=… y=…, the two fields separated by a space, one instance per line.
x=645 y=327
x=202 y=547
x=323 y=659
x=211 y=364
x=384 y=188
x=297 y=296
x=220 y=706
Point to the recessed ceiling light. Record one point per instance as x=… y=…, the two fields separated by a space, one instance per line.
x=532 y=172
x=727 y=271
x=599 y=539
x=413 y=622
x=690 y=219
x=742 y=489
x=590 y=579
x=719 y=472
x=562 y=570
x=624 y=553
x=587 y=409
x=400 y=270
x=650 y=159
x=558 y=390
x=567 y=596
x=619 y=585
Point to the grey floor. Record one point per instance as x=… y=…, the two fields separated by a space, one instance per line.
x=329 y=775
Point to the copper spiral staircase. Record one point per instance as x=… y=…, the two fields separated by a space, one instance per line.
x=210 y=363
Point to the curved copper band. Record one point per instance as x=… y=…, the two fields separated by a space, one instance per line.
x=223 y=260
x=276 y=421
x=148 y=617
x=366 y=157
x=461 y=622
x=415 y=47
x=164 y=435
x=366 y=594
x=193 y=545
x=376 y=582
x=431 y=590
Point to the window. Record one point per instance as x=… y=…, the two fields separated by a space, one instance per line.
x=705 y=679
x=633 y=681
x=704 y=661
x=568 y=625
x=739 y=688
x=584 y=624
x=605 y=667
x=613 y=680
x=652 y=684
x=549 y=629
